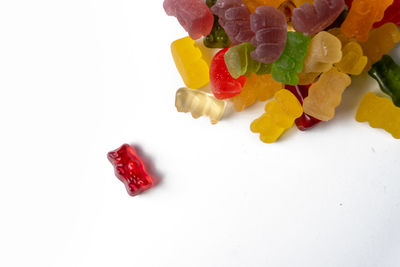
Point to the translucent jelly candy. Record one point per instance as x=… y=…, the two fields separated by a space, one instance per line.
x=324 y=50
x=392 y=14
x=310 y=19
x=340 y=35
x=380 y=113
x=362 y=15
x=279 y=116
x=269 y=25
x=253 y=4
x=290 y=63
x=256 y=88
x=189 y=62
x=194 y=16
x=129 y=169
x=339 y=21
x=287 y=8
x=353 y=60
x=199 y=103
x=326 y=94
x=305 y=122
x=387 y=73
x=307 y=78
x=223 y=85
x=234 y=17
x=380 y=42
x=217 y=37
x=300 y=2
x=239 y=62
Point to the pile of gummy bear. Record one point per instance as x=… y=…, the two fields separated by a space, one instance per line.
x=301 y=53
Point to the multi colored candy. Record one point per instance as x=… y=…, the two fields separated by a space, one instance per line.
x=130 y=170
x=279 y=116
x=379 y=112
x=305 y=122
x=326 y=94
x=312 y=18
x=199 y=103
x=387 y=73
x=362 y=16
x=194 y=16
x=188 y=59
x=269 y=25
x=223 y=85
x=234 y=17
x=309 y=47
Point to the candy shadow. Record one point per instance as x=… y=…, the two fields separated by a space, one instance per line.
x=149 y=165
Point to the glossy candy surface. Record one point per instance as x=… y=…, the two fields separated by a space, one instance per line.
x=326 y=94
x=194 y=16
x=190 y=63
x=223 y=85
x=199 y=103
x=256 y=88
x=290 y=63
x=279 y=116
x=234 y=17
x=239 y=61
x=217 y=37
x=312 y=18
x=362 y=15
x=379 y=112
x=129 y=169
x=353 y=60
x=380 y=42
x=387 y=73
x=324 y=50
x=269 y=25
x=392 y=14
x=305 y=122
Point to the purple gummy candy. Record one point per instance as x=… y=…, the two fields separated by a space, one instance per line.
x=194 y=16
x=270 y=27
x=234 y=17
x=311 y=19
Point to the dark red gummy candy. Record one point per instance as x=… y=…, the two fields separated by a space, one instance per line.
x=130 y=170
x=305 y=122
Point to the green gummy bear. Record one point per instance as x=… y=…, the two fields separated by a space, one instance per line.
x=239 y=62
x=217 y=37
x=387 y=74
x=290 y=63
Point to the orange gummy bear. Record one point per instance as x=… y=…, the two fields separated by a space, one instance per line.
x=362 y=15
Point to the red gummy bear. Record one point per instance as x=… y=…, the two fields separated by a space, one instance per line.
x=305 y=122
x=223 y=85
x=392 y=14
x=130 y=170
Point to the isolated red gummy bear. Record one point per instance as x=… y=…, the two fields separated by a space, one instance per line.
x=223 y=85
x=130 y=170
x=305 y=122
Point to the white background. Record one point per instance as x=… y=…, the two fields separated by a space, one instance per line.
x=78 y=78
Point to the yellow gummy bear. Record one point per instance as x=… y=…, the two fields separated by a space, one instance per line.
x=199 y=103
x=307 y=78
x=353 y=60
x=326 y=94
x=380 y=112
x=256 y=88
x=380 y=42
x=279 y=116
x=190 y=63
x=323 y=51
x=253 y=4
x=362 y=15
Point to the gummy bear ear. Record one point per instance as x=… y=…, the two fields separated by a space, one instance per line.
x=112 y=156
